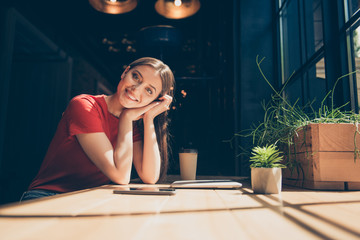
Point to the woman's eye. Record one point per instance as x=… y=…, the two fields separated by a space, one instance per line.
x=136 y=77
x=149 y=90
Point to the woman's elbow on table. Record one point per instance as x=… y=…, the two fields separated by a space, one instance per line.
x=149 y=180
x=121 y=180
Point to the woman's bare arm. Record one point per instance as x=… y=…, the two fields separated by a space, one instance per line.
x=114 y=163
x=147 y=159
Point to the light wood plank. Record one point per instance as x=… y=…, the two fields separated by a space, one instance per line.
x=71 y=205
x=267 y=224
x=337 y=137
x=194 y=200
x=302 y=197
x=321 y=226
x=100 y=201
x=189 y=226
x=327 y=137
x=73 y=228
x=341 y=216
x=237 y=199
x=24 y=228
x=338 y=166
x=203 y=225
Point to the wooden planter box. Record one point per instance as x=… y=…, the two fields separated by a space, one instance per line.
x=326 y=155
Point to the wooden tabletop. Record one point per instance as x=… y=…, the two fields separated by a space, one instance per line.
x=98 y=213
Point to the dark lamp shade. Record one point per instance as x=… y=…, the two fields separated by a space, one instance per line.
x=169 y=9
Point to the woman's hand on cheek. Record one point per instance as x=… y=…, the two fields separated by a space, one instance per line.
x=134 y=114
x=160 y=107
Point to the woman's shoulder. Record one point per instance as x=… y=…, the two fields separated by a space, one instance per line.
x=88 y=99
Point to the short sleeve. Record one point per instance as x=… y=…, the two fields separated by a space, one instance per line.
x=83 y=115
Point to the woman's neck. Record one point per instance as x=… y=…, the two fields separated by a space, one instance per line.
x=113 y=105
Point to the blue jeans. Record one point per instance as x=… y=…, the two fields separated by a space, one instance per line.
x=37 y=193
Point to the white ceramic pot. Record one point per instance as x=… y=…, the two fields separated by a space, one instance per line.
x=266 y=180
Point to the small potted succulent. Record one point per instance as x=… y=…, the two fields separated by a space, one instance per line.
x=266 y=169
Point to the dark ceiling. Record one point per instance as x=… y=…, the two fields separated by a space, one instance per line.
x=109 y=41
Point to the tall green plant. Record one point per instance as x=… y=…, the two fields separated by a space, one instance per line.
x=282 y=119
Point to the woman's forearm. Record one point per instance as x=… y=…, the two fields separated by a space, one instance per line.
x=151 y=160
x=123 y=152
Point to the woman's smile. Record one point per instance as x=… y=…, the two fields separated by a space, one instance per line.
x=130 y=95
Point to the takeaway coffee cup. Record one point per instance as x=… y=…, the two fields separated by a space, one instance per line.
x=188 y=162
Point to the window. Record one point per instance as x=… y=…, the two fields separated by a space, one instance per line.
x=352 y=29
x=317 y=25
x=317 y=89
x=290 y=39
x=353 y=6
x=301 y=48
x=319 y=41
x=355 y=47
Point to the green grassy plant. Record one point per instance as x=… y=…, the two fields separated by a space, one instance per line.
x=283 y=120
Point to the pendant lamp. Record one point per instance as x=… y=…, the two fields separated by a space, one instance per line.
x=177 y=9
x=113 y=6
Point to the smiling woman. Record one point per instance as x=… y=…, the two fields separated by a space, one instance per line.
x=100 y=137
x=139 y=87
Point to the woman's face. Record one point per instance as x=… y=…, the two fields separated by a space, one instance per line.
x=139 y=86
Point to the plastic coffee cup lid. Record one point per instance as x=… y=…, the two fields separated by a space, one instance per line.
x=188 y=150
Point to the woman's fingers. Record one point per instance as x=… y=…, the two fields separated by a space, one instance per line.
x=166 y=99
x=163 y=106
x=137 y=113
x=141 y=111
x=152 y=110
x=150 y=106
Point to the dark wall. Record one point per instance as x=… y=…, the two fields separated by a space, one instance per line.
x=253 y=29
x=37 y=81
x=204 y=117
x=36 y=88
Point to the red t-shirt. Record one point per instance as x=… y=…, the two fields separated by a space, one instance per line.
x=66 y=167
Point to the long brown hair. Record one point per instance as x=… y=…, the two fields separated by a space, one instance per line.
x=161 y=121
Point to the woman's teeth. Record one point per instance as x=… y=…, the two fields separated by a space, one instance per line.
x=131 y=97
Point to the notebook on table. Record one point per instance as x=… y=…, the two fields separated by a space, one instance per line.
x=206 y=184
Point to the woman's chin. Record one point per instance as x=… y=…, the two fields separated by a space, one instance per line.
x=129 y=104
x=126 y=102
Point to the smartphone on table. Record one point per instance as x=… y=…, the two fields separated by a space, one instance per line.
x=145 y=191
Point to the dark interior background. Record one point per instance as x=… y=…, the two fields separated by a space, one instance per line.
x=52 y=51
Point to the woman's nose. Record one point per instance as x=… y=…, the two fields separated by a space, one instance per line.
x=136 y=89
